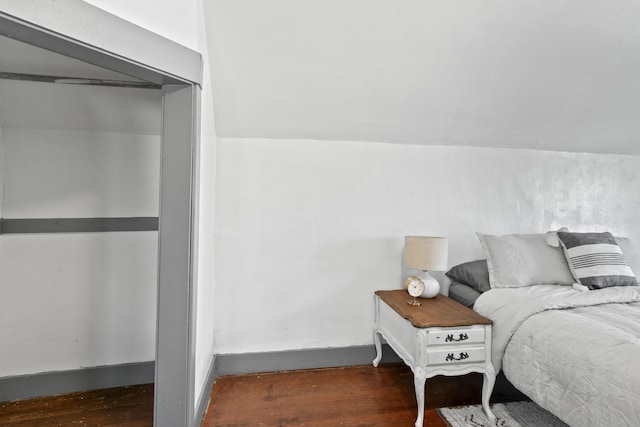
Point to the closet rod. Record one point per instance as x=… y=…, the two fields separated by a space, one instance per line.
x=77 y=225
x=78 y=81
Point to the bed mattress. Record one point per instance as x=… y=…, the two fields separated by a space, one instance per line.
x=574 y=353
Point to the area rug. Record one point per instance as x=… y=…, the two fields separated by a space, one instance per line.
x=512 y=414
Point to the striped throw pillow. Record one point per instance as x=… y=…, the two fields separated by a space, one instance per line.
x=595 y=260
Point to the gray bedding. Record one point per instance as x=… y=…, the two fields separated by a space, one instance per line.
x=574 y=353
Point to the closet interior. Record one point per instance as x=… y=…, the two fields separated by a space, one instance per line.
x=79 y=172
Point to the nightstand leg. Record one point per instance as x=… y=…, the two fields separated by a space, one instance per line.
x=487 y=388
x=376 y=334
x=378 y=344
x=419 y=379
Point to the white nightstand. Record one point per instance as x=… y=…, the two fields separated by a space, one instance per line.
x=438 y=337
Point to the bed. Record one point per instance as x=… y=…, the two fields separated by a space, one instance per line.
x=570 y=345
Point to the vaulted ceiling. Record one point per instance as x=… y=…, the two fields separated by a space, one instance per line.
x=539 y=74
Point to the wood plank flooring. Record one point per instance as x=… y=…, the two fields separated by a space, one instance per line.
x=351 y=396
x=122 y=406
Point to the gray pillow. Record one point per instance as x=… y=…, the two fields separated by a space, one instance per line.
x=464 y=294
x=596 y=260
x=517 y=260
x=629 y=251
x=473 y=273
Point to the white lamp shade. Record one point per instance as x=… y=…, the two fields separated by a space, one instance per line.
x=426 y=253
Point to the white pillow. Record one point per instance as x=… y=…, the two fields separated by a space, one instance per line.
x=552 y=237
x=517 y=260
x=630 y=254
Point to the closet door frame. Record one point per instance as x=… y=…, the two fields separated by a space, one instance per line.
x=174 y=402
x=84 y=32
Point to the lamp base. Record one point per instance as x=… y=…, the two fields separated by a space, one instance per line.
x=431 y=286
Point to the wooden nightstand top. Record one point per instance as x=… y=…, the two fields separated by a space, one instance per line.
x=440 y=311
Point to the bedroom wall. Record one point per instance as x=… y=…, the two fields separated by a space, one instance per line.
x=307 y=229
x=311 y=220
x=77 y=300
x=1 y=160
x=205 y=336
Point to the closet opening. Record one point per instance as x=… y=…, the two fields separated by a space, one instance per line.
x=98 y=183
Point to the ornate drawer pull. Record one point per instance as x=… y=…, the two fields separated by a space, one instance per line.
x=462 y=337
x=451 y=357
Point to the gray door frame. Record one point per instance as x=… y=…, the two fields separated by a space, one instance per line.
x=84 y=32
x=175 y=343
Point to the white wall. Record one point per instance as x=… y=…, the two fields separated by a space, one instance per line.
x=307 y=230
x=78 y=300
x=81 y=108
x=205 y=337
x=1 y=160
x=67 y=174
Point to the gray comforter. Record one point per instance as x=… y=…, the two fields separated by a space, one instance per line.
x=576 y=354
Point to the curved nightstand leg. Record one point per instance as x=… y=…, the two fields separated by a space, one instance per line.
x=376 y=333
x=378 y=344
x=487 y=388
x=419 y=379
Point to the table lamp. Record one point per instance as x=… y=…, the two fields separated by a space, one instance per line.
x=426 y=253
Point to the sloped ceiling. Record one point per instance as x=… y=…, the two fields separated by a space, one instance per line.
x=541 y=74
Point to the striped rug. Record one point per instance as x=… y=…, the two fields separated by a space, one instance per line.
x=512 y=414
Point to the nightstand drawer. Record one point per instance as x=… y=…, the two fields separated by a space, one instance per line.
x=455 y=336
x=455 y=355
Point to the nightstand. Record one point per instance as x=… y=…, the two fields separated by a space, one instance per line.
x=438 y=337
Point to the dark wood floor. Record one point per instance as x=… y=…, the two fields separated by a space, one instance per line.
x=353 y=396
x=122 y=406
